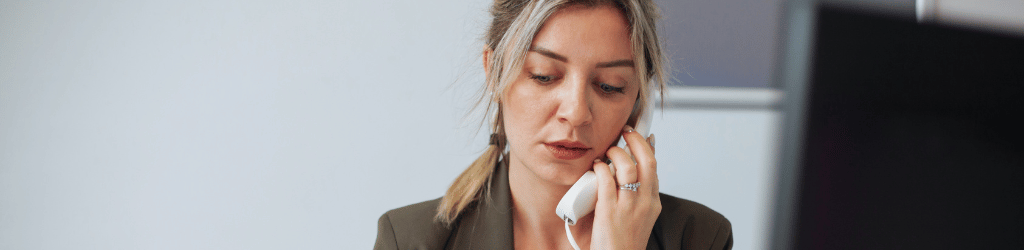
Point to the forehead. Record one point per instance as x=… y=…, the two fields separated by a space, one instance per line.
x=586 y=34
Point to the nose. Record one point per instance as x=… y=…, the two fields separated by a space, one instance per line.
x=575 y=106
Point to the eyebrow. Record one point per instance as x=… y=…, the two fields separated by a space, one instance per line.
x=616 y=63
x=556 y=56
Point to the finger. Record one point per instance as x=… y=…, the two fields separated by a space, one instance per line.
x=650 y=140
x=605 y=185
x=647 y=166
x=625 y=170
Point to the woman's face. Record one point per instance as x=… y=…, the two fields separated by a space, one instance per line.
x=574 y=94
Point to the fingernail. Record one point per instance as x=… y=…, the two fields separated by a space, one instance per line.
x=651 y=140
x=627 y=129
x=596 y=160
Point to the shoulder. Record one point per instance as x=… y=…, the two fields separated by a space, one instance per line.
x=685 y=224
x=411 y=227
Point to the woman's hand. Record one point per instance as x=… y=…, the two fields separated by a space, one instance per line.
x=623 y=219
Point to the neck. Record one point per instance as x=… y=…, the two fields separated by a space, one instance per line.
x=534 y=222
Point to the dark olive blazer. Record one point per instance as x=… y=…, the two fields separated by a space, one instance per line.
x=487 y=224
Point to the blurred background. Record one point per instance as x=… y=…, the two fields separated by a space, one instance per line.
x=296 y=124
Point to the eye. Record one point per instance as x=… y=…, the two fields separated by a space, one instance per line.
x=608 y=89
x=542 y=79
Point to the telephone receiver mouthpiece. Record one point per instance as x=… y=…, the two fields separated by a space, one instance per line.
x=579 y=200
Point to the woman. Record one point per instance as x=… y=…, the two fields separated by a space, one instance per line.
x=565 y=79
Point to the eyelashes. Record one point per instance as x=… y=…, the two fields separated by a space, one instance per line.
x=611 y=89
x=542 y=78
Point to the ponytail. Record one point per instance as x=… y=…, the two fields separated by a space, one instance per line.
x=474 y=183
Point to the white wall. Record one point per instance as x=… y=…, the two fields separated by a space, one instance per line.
x=274 y=124
x=724 y=159
x=997 y=15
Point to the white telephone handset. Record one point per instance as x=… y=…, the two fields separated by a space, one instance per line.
x=582 y=196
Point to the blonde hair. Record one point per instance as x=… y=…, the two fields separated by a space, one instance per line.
x=511 y=32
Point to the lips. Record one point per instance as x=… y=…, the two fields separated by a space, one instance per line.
x=567 y=150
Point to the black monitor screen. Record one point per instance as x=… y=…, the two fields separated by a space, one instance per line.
x=912 y=137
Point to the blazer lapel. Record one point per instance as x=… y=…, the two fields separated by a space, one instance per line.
x=488 y=225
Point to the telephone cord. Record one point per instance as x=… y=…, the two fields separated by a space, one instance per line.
x=569 y=234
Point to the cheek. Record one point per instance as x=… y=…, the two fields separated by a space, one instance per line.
x=609 y=124
x=524 y=109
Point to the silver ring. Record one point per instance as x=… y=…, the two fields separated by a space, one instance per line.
x=630 y=186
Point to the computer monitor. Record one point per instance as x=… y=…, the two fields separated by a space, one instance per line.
x=898 y=135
